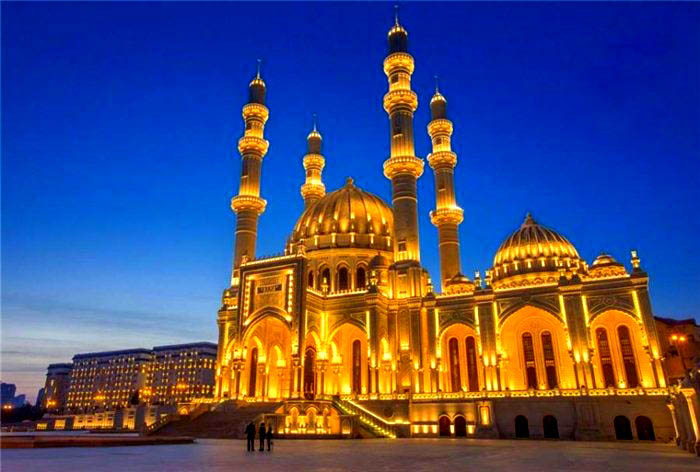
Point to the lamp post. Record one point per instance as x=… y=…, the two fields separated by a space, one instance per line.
x=679 y=341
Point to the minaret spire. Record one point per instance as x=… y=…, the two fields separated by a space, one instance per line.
x=248 y=205
x=447 y=215
x=313 y=189
x=403 y=167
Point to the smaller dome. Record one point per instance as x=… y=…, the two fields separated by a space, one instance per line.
x=379 y=262
x=533 y=255
x=459 y=283
x=605 y=266
x=604 y=259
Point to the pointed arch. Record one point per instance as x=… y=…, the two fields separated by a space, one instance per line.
x=351 y=376
x=531 y=304
x=624 y=353
x=462 y=372
x=534 y=360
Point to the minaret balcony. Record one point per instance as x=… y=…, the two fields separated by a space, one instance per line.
x=253 y=144
x=441 y=126
x=403 y=165
x=255 y=110
x=453 y=215
x=248 y=203
x=399 y=61
x=313 y=190
x=314 y=161
x=400 y=98
x=442 y=159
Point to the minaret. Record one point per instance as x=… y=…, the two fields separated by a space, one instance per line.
x=447 y=215
x=403 y=167
x=248 y=205
x=313 y=189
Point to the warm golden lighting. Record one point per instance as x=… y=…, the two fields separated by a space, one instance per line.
x=347 y=317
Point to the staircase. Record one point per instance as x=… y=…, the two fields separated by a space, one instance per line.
x=375 y=424
x=224 y=422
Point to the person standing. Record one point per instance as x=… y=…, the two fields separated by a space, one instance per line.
x=261 y=435
x=250 y=435
x=269 y=436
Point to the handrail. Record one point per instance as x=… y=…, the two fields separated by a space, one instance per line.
x=159 y=423
x=369 y=419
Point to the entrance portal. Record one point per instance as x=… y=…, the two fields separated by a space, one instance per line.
x=310 y=373
x=623 y=429
x=460 y=427
x=522 y=429
x=550 y=427
x=444 y=423
x=645 y=429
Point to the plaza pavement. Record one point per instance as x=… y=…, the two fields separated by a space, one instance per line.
x=412 y=455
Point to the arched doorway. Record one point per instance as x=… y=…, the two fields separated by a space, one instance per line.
x=309 y=373
x=343 y=279
x=623 y=428
x=550 y=427
x=444 y=423
x=361 y=278
x=357 y=367
x=455 y=380
x=645 y=429
x=253 y=372
x=522 y=429
x=460 y=427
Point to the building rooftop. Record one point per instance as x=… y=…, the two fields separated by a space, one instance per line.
x=673 y=322
x=170 y=347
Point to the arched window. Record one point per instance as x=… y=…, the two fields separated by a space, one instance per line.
x=529 y=356
x=325 y=278
x=522 y=429
x=623 y=429
x=361 y=278
x=309 y=373
x=623 y=334
x=343 y=280
x=605 y=357
x=549 y=363
x=472 y=371
x=456 y=381
x=550 y=427
x=357 y=366
x=645 y=429
x=311 y=279
x=444 y=423
x=253 y=374
x=460 y=427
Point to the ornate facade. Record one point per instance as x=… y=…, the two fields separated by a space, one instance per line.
x=348 y=315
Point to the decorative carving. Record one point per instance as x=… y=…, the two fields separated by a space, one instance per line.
x=599 y=304
x=452 y=317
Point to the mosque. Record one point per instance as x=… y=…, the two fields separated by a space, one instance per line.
x=345 y=329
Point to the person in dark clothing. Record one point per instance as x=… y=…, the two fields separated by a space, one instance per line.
x=261 y=435
x=250 y=435
x=269 y=436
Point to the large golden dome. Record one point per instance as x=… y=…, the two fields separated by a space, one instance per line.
x=532 y=255
x=347 y=217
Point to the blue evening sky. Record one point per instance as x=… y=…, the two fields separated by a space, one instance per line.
x=120 y=122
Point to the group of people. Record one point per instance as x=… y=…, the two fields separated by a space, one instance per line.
x=264 y=433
